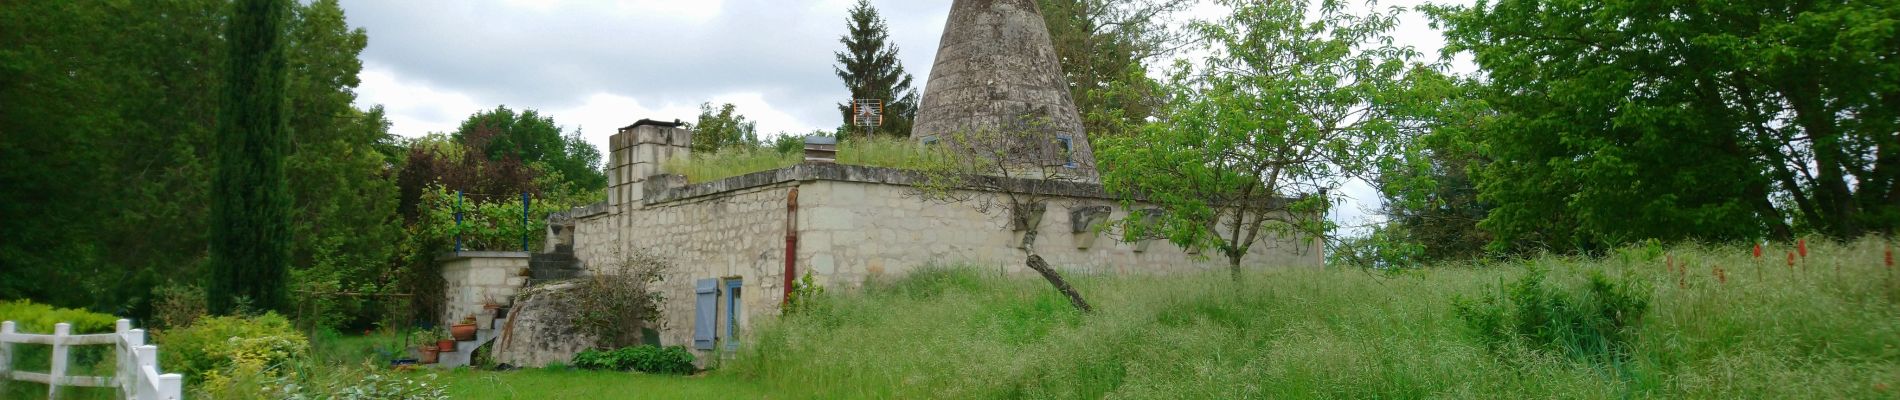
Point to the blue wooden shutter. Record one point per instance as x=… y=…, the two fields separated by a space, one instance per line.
x=705 y=314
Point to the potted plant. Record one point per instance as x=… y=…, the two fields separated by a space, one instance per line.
x=428 y=351
x=464 y=331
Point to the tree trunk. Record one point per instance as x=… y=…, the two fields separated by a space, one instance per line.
x=1831 y=190
x=1041 y=267
x=1233 y=263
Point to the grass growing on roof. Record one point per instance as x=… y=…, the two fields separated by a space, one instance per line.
x=871 y=152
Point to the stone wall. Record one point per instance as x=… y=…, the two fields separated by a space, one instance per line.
x=857 y=224
x=852 y=232
x=474 y=278
x=736 y=234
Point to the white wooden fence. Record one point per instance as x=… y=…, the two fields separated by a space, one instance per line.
x=137 y=376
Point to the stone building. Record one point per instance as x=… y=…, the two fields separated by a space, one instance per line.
x=738 y=242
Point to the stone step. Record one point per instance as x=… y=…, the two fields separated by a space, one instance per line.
x=464 y=353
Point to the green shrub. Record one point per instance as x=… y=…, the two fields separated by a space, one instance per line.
x=486 y=225
x=177 y=306
x=344 y=382
x=649 y=359
x=212 y=347
x=366 y=382
x=1598 y=323
x=40 y=318
x=806 y=295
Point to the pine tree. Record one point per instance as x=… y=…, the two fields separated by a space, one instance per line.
x=870 y=70
x=250 y=206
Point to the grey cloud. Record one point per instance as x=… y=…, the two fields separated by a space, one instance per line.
x=502 y=54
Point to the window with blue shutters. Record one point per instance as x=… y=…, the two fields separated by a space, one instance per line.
x=705 y=313
x=733 y=308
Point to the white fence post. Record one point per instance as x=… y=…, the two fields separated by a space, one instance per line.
x=6 y=351
x=60 y=332
x=147 y=358
x=171 y=386
x=127 y=373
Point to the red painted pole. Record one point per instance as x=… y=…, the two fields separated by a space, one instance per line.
x=791 y=245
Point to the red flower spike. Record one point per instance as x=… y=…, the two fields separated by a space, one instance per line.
x=1720 y=275
x=1802 y=246
x=1758 y=250
x=1790 y=260
x=1889 y=258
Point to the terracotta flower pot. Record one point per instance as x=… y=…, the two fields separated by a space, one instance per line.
x=427 y=354
x=462 y=332
x=445 y=345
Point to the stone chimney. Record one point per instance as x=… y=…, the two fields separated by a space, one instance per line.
x=638 y=151
x=996 y=68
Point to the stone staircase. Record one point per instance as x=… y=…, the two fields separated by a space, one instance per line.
x=560 y=264
x=553 y=266
x=464 y=353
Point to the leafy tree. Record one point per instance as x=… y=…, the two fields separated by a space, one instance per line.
x=1106 y=47
x=106 y=148
x=438 y=160
x=870 y=70
x=104 y=139
x=1430 y=198
x=532 y=138
x=722 y=128
x=1295 y=98
x=250 y=208
x=345 y=196
x=1628 y=120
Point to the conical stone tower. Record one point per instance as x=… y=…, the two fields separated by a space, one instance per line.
x=997 y=72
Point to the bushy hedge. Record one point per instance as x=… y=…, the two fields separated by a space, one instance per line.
x=40 y=318
x=216 y=345
x=649 y=359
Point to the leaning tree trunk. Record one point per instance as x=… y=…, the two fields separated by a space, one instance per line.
x=1041 y=267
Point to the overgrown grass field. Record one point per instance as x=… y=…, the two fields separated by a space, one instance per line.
x=1647 y=322
x=1827 y=327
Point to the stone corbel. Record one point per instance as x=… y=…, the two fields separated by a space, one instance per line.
x=1024 y=218
x=1151 y=219
x=1085 y=223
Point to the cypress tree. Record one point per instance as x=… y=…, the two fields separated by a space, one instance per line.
x=870 y=70
x=250 y=205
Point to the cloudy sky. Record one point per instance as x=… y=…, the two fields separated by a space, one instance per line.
x=598 y=65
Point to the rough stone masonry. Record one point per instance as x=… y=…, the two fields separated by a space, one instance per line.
x=997 y=72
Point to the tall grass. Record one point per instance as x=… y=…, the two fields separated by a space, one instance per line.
x=872 y=152
x=1827 y=328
